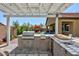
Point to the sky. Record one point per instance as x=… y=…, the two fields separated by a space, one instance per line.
x=21 y=20
x=73 y=8
x=35 y=20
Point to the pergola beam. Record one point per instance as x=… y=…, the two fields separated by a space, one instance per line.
x=65 y=6
x=49 y=8
x=19 y=8
x=26 y=15
x=39 y=7
x=5 y=10
x=8 y=8
x=19 y=11
x=56 y=11
x=29 y=8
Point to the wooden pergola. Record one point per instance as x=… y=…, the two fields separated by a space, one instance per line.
x=32 y=10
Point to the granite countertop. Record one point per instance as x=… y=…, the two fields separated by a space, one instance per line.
x=46 y=35
x=71 y=48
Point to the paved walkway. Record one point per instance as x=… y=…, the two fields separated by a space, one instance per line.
x=13 y=45
x=14 y=50
x=29 y=52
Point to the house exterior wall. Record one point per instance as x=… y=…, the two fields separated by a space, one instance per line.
x=2 y=31
x=50 y=22
x=50 y=27
x=74 y=25
x=13 y=32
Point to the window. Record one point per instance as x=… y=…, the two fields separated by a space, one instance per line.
x=53 y=27
x=65 y=27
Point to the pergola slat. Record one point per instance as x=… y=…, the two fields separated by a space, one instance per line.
x=33 y=9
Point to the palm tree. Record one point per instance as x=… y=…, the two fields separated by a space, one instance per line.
x=41 y=25
x=16 y=25
x=28 y=26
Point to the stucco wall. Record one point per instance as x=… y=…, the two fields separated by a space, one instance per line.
x=74 y=26
x=14 y=32
x=2 y=31
x=50 y=20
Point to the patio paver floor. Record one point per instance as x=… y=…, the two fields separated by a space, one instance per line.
x=29 y=52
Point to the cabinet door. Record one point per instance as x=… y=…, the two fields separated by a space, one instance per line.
x=58 y=50
x=67 y=53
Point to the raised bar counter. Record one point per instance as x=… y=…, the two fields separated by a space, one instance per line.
x=64 y=47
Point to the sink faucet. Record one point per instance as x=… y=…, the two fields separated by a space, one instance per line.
x=70 y=35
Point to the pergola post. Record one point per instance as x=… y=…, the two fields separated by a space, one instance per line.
x=56 y=24
x=8 y=30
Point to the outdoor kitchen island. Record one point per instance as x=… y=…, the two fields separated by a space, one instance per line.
x=37 y=46
x=63 y=47
x=46 y=45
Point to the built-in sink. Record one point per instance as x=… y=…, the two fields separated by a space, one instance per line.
x=68 y=43
x=76 y=42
